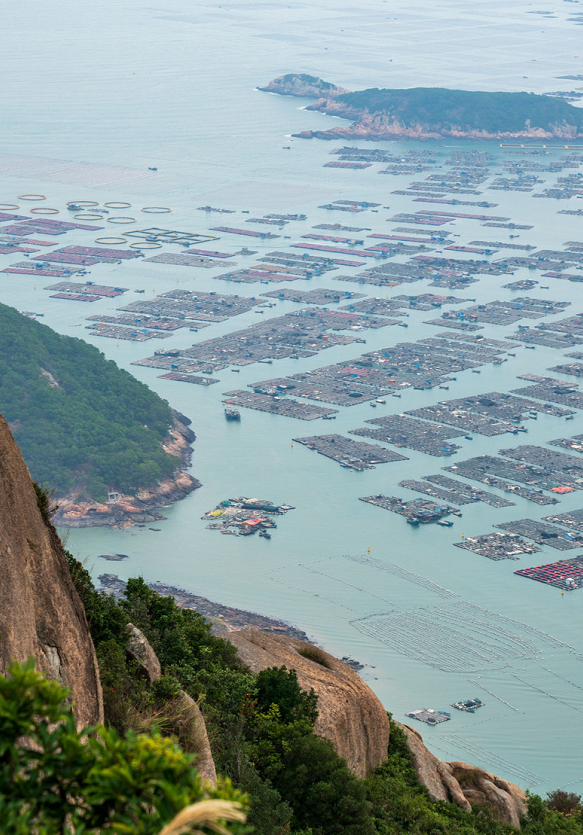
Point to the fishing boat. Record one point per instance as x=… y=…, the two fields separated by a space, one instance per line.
x=232 y=414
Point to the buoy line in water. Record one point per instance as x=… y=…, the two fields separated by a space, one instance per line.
x=494 y=696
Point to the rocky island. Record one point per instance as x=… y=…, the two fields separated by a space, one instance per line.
x=433 y=112
x=111 y=449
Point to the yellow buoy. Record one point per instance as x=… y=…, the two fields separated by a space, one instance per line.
x=463 y=535
x=368 y=549
x=562 y=592
x=292 y=446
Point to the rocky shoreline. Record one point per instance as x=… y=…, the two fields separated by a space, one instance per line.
x=126 y=510
x=223 y=618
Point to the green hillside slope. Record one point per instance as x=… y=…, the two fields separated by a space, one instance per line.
x=81 y=422
x=441 y=108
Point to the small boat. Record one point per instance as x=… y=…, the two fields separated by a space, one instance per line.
x=232 y=414
x=468 y=437
x=236 y=370
x=374 y=405
x=444 y=523
x=264 y=535
x=379 y=400
x=155 y=529
x=413 y=521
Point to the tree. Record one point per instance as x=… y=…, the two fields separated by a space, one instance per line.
x=55 y=779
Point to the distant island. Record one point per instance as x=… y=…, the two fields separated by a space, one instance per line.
x=433 y=112
x=111 y=449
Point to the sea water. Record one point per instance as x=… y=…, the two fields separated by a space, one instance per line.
x=92 y=97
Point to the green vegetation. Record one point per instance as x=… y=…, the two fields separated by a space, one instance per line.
x=82 y=423
x=261 y=729
x=440 y=109
x=89 y=782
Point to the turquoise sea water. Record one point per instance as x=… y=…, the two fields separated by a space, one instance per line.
x=95 y=95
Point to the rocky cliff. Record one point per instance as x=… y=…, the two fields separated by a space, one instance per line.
x=40 y=612
x=354 y=720
x=350 y=715
x=465 y=785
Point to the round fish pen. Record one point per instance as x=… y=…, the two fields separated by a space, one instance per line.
x=111 y=239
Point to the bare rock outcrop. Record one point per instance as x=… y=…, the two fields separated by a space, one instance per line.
x=198 y=738
x=350 y=715
x=41 y=614
x=506 y=802
x=140 y=648
x=465 y=785
x=192 y=731
x=434 y=774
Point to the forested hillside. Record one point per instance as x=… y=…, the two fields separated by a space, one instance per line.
x=444 y=109
x=82 y=423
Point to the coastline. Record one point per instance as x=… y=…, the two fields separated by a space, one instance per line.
x=222 y=618
x=126 y=510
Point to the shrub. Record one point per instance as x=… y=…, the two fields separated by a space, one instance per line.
x=55 y=779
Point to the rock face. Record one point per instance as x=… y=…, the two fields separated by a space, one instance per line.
x=40 y=612
x=350 y=715
x=140 y=648
x=193 y=727
x=465 y=784
x=198 y=738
